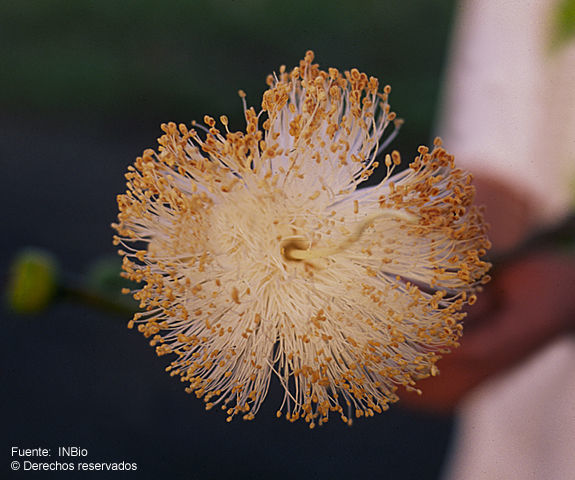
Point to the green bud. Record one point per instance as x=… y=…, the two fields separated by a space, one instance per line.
x=103 y=276
x=32 y=281
x=103 y=280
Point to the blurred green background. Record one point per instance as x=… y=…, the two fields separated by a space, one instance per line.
x=152 y=61
x=84 y=86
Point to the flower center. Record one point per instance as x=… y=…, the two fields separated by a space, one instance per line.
x=259 y=231
x=291 y=248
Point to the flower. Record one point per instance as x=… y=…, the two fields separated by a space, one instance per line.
x=261 y=257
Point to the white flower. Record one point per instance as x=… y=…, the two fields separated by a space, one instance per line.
x=262 y=259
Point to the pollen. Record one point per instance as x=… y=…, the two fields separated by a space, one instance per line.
x=259 y=258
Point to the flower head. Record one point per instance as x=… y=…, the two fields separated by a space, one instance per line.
x=261 y=258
